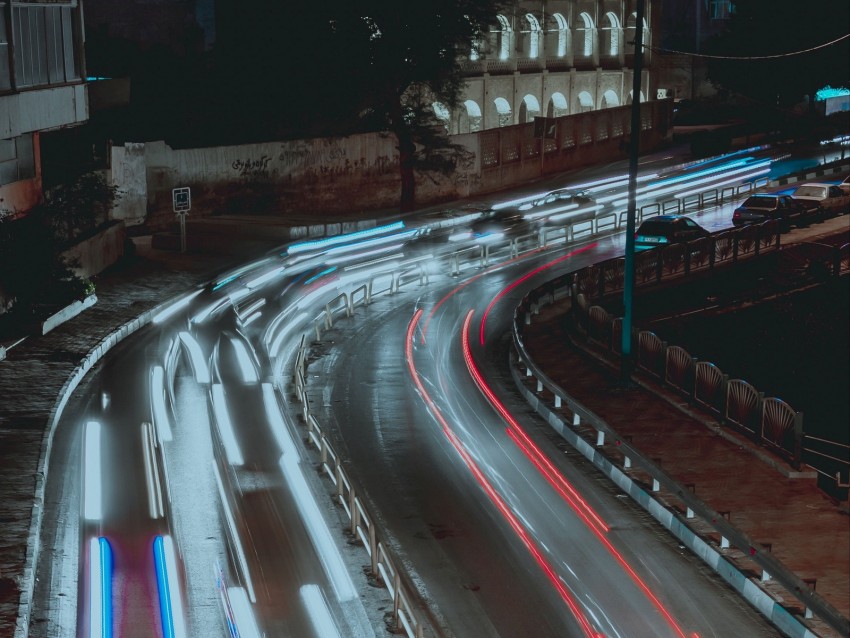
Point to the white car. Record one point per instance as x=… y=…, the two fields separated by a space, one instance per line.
x=831 y=199
x=845 y=185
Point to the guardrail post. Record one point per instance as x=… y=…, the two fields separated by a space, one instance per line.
x=576 y=419
x=798 y=440
x=689 y=513
x=764 y=576
x=724 y=542
x=656 y=486
x=539 y=385
x=627 y=462
x=557 y=401
x=600 y=438
x=373 y=550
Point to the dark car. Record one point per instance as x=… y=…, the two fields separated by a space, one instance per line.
x=759 y=208
x=667 y=229
x=505 y=221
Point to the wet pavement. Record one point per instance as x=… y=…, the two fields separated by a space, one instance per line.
x=805 y=529
x=761 y=495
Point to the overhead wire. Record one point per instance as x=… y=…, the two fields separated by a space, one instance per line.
x=748 y=57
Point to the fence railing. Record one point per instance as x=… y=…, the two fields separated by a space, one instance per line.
x=383 y=567
x=567 y=416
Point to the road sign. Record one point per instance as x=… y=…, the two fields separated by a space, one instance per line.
x=181 y=199
x=544 y=127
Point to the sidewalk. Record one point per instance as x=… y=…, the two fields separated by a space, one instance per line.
x=802 y=527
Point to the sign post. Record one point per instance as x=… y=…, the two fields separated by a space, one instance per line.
x=182 y=202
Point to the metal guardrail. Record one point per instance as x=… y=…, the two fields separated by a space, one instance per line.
x=382 y=565
x=729 y=536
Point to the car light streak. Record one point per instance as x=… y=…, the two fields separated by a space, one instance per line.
x=656 y=192
x=525 y=277
x=278 y=427
x=317 y=529
x=275 y=346
x=322 y=244
x=491 y=492
x=597 y=527
x=158 y=409
x=225 y=426
x=317 y=608
x=317 y=276
x=343 y=259
x=243 y=615
x=196 y=357
x=521 y=438
x=93 y=488
x=100 y=588
x=574 y=213
x=251 y=307
x=173 y=309
x=235 y=274
x=395 y=238
x=170 y=601
x=734 y=180
x=264 y=278
x=155 y=506
x=234 y=534
x=551 y=211
x=246 y=365
x=251 y=319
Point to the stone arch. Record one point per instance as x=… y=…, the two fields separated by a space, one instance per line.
x=558 y=106
x=610 y=35
x=583 y=40
x=503 y=37
x=503 y=111
x=609 y=99
x=534 y=36
x=584 y=102
x=469 y=118
x=561 y=31
x=631 y=94
x=529 y=109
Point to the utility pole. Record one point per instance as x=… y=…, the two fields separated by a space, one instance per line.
x=626 y=360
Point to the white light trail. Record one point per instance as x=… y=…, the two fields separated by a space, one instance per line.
x=264 y=278
x=158 y=409
x=174 y=308
x=319 y=533
x=155 y=506
x=278 y=427
x=246 y=365
x=196 y=357
x=234 y=534
x=225 y=426
x=93 y=504
x=320 y=614
x=243 y=615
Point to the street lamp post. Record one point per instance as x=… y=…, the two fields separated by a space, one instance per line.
x=634 y=142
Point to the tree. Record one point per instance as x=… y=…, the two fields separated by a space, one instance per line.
x=339 y=67
x=760 y=28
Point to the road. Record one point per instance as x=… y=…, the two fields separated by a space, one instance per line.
x=214 y=508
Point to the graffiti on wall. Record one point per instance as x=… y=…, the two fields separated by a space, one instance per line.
x=252 y=167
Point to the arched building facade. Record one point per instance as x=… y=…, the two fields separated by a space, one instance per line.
x=550 y=59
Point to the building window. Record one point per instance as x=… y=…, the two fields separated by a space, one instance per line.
x=584 y=36
x=43 y=38
x=504 y=38
x=611 y=35
x=534 y=36
x=562 y=27
x=5 y=74
x=720 y=9
x=17 y=159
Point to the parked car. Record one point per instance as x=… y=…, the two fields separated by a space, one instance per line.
x=667 y=229
x=762 y=207
x=845 y=185
x=827 y=199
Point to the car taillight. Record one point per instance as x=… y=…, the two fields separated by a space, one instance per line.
x=736 y=214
